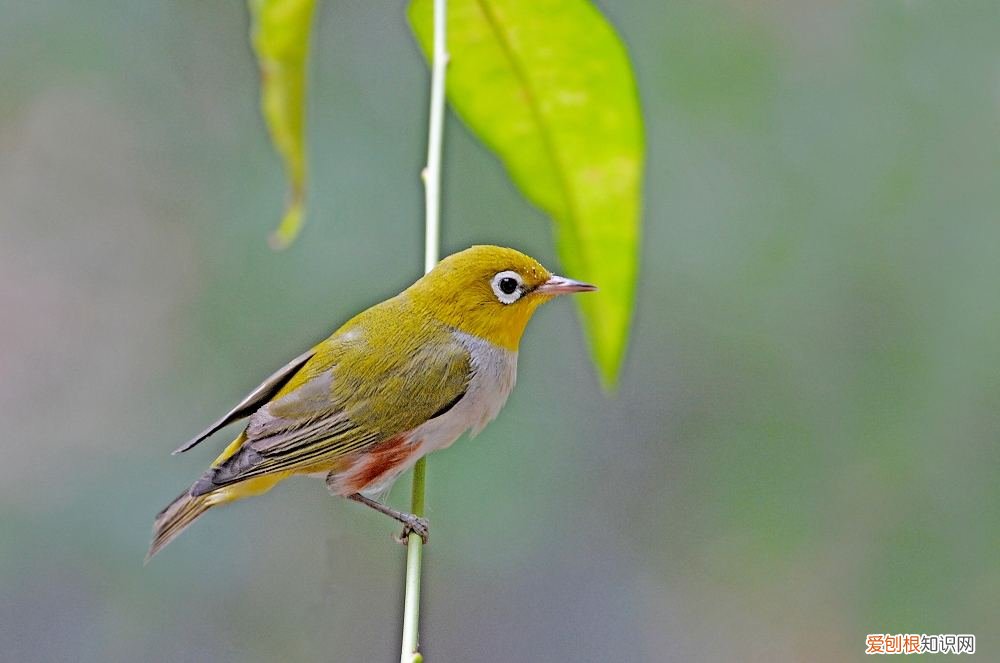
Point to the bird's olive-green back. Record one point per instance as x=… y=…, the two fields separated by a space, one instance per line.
x=392 y=368
x=385 y=372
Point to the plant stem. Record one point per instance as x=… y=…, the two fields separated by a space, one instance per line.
x=410 y=652
x=435 y=136
x=411 y=603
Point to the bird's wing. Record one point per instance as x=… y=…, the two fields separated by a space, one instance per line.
x=260 y=395
x=358 y=390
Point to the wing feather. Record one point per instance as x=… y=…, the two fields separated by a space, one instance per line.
x=260 y=395
x=317 y=419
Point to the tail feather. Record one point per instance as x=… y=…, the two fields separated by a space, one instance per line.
x=189 y=506
x=175 y=518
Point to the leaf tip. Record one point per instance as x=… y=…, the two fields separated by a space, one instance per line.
x=288 y=229
x=609 y=365
x=607 y=322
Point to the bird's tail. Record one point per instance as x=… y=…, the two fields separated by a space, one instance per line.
x=176 y=517
x=203 y=495
x=187 y=508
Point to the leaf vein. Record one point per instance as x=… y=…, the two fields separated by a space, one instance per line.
x=548 y=144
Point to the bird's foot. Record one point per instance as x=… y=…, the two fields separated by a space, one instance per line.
x=413 y=525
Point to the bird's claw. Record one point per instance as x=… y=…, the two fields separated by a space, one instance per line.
x=413 y=525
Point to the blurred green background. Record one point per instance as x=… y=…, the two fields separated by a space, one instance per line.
x=804 y=446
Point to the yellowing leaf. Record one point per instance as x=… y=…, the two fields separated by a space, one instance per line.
x=547 y=85
x=280 y=33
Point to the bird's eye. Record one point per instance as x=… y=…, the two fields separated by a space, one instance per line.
x=507 y=287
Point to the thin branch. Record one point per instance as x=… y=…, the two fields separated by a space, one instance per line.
x=410 y=652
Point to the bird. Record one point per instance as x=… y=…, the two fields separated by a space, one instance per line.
x=402 y=379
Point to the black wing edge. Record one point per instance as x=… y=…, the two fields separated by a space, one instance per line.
x=264 y=391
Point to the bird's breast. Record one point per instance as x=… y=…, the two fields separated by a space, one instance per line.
x=493 y=371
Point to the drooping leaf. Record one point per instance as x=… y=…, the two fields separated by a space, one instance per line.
x=280 y=34
x=547 y=85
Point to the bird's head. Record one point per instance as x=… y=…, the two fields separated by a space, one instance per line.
x=490 y=292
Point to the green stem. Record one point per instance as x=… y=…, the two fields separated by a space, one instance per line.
x=414 y=552
x=410 y=652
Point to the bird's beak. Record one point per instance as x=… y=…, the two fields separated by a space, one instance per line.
x=558 y=285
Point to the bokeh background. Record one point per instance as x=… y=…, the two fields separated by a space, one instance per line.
x=804 y=445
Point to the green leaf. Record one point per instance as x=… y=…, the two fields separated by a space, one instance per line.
x=547 y=85
x=280 y=34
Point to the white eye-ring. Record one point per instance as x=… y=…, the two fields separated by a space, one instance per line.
x=507 y=287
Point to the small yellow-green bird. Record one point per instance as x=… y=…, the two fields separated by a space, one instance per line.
x=396 y=382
